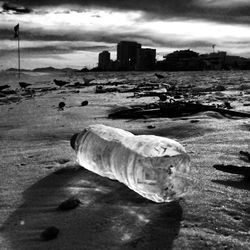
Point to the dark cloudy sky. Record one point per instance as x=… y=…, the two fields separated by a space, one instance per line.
x=64 y=33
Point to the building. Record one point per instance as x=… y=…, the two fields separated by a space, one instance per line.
x=145 y=59
x=127 y=54
x=104 y=60
x=215 y=60
x=236 y=62
x=182 y=60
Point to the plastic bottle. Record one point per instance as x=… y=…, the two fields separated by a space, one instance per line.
x=155 y=167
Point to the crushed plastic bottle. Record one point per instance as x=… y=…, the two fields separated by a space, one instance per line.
x=155 y=167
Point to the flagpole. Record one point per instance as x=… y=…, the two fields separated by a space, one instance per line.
x=17 y=35
x=18 y=41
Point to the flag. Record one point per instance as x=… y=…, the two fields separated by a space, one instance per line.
x=16 y=30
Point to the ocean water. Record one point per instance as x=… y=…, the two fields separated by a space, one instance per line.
x=227 y=78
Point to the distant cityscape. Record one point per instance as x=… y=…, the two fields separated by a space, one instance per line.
x=131 y=56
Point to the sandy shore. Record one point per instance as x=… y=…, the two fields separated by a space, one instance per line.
x=38 y=170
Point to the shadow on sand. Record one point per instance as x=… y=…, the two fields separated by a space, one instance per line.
x=244 y=183
x=178 y=131
x=111 y=216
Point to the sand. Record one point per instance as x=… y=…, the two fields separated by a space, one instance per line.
x=38 y=169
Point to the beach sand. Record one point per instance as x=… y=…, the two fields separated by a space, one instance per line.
x=38 y=170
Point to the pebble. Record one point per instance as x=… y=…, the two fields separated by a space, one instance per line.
x=50 y=233
x=84 y=103
x=61 y=105
x=69 y=204
x=151 y=126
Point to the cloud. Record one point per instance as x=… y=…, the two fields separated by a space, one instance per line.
x=223 y=3
x=226 y=11
x=51 y=47
x=84 y=26
x=15 y=9
x=107 y=41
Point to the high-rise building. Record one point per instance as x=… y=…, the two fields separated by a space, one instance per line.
x=104 y=60
x=127 y=54
x=145 y=59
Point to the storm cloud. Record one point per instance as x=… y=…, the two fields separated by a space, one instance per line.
x=108 y=39
x=225 y=11
x=15 y=9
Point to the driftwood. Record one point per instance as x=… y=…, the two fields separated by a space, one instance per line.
x=4 y=87
x=24 y=85
x=100 y=89
x=148 y=93
x=173 y=109
x=177 y=108
x=175 y=91
x=125 y=88
x=159 y=76
x=60 y=83
x=177 y=94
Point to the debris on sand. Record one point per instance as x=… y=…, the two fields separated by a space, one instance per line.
x=88 y=81
x=159 y=76
x=111 y=81
x=4 y=87
x=158 y=92
x=139 y=90
x=11 y=99
x=9 y=92
x=244 y=87
x=151 y=126
x=50 y=233
x=227 y=105
x=24 y=85
x=8 y=95
x=60 y=83
x=45 y=89
x=100 y=89
x=69 y=204
x=219 y=88
x=177 y=92
x=78 y=85
x=163 y=97
x=245 y=154
x=61 y=105
x=172 y=109
x=194 y=121
x=29 y=92
x=84 y=103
